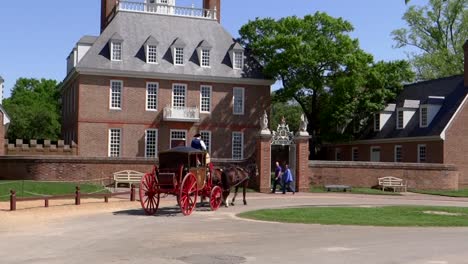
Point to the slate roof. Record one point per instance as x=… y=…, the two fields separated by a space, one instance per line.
x=1 y=79
x=136 y=28
x=87 y=40
x=452 y=88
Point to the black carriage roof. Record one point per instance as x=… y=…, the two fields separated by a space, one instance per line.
x=183 y=149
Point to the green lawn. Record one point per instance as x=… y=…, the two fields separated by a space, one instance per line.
x=33 y=188
x=459 y=193
x=317 y=189
x=367 y=216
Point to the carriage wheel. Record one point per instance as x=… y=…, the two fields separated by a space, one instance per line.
x=149 y=194
x=216 y=198
x=188 y=194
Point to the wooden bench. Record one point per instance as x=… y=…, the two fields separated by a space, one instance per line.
x=127 y=176
x=392 y=182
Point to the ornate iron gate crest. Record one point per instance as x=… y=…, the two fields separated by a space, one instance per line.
x=282 y=136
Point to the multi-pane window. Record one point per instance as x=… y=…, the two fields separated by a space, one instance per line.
x=238 y=101
x=151 y=54
x=424 y=116
x=114 y=142
x=178 y=138
x=376 y=122
x=398 y=153
x=152 y=96
x=178 y=95
x=337 y=154
x=205 y=58
x=179 y=56
x=421 y=153
x=238 y=60
x=205 y=99
x=375 y=154
x=206 y=137
x=116 y=51
x=116 y=95
x=237 y=145
x=151 y=143
x=400 y=119
x=355 y=154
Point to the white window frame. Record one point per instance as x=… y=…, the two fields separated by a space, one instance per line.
x=185 y=94
x=420 y=146
x=398 y=118
x=152 y=54
x=155 y=154
x=372 y=150
x=112 y=144
x=204 y=135
x=421 y=116
x=234 y=156
x=234 y=101
x=150 y=96
x=177 y=55
x=376 y=122
x=236 y=61
x=202 y=97
x=205 y=55
x=395 y=156
x=355 y=158
x=114 y=51
x=177 y=130
x=112 y=92
x=338 y=154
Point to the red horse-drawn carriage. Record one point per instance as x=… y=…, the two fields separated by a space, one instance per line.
x=182 y=172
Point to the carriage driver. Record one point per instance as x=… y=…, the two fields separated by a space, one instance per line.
x=197 y=143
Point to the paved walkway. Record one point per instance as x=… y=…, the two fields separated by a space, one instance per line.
x=118 y=232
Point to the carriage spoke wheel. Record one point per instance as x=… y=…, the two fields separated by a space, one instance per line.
x=188 y=194
x=216 y=198
x=149 y=193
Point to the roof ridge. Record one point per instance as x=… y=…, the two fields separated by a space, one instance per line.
x=433 y=80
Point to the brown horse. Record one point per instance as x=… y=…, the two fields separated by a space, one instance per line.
x=233 y=177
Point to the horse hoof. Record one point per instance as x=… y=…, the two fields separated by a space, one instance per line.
x=245 y=203
x=232 y=204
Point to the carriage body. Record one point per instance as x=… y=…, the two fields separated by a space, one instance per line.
x=182 y=172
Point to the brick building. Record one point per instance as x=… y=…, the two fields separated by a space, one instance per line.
x=157 y=75
x=426 y=124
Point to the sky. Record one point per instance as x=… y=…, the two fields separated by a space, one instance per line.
x=37 y=36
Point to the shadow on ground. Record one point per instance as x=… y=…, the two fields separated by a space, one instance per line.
x=167 y=211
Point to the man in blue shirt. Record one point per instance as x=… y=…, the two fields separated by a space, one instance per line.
x=197 y=143
x=287 y=180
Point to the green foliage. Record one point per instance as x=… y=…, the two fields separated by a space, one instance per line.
x=289 y=110
x=323 y=69
x=34 y=110
x=373 y=216
x=449 y=193
x=438 y=31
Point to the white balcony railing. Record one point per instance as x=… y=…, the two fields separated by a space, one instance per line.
x=166 y=9
x=187 y=114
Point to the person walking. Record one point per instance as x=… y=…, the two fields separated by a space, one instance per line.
x=287 y=180
x=278 y=173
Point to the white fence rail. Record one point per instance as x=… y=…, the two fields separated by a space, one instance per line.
x=167 y=10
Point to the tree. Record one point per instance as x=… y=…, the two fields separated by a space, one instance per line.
x=291 y=111
x=323 y=69
x=34 y=110
x=438 y=32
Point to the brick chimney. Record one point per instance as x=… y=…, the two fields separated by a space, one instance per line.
x=213 y=4
x=107 y=9
x=465 y=48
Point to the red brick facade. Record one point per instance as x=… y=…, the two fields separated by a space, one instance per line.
x=212 y=5
x=264 y=162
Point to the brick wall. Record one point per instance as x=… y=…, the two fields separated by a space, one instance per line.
x=456 y=143
x=263 y=159
x=32 y=148
x=366 y=174
x=95 y=118
x=67 y=168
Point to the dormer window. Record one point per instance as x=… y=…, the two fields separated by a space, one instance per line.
x=151 y=50
x=237 y=56
x=204 y=53
x=423 y=117
x=400 y=115
x=116 y=46
x=178 y=52
x=376 y=122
